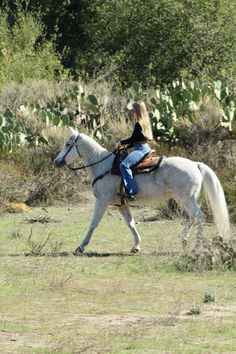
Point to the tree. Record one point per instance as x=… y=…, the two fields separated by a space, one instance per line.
x=159 y=40
x=24 y=52
x=153 y=41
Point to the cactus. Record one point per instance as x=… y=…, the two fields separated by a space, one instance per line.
x=65 y=120
x=229 y=116
x=9 y=113
x=217 y=88
x=45 y=117
x=166 y=107
x=136 y=86
x=2 y=121
x=93 y=99
x=2 y=138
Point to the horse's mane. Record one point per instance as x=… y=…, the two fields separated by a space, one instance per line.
x=91 y=146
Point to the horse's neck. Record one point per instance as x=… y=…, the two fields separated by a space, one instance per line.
x=92 y=152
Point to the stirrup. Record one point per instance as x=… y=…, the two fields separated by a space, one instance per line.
x=128 y=196
x=122 y=195
x=131 y=197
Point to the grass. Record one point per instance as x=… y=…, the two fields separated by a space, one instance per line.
x=108 y=301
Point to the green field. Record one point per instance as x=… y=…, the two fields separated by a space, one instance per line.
x=107 y=301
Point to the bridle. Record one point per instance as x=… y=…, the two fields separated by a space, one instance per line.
x=77 y=149
x=70 y=148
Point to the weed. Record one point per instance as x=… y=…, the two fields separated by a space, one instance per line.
x=193 y=263
x=56 y=247
x=195 y=310
x=16 y=234
x=225 y=255
x=35 y=248
x=39 y=219
x=220 y=254
x=208 y=297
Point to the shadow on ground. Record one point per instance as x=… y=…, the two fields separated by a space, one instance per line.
x=87 y=254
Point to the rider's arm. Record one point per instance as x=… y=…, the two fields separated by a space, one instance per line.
x=135 y=137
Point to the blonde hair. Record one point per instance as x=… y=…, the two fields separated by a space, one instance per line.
x=141 y=116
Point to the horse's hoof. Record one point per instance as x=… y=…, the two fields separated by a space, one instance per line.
x=78 y=251
x=135 y=249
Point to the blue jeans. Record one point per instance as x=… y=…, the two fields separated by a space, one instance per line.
x=125 y=166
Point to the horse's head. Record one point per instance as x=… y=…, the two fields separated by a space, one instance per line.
x=70 y=151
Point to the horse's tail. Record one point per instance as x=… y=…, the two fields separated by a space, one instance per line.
x=215 y=195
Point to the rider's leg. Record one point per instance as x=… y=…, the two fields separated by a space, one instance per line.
x=125 y=167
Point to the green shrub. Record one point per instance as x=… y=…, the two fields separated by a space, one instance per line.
x=209 y=297
x=195 y=310
x=25 y=53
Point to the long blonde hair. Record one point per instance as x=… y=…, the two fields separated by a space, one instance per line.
x=141 y=116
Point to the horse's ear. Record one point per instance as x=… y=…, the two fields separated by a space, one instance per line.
x=73 y=131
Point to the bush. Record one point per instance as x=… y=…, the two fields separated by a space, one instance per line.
x=35 y=180
x=29 y=175
x=24 y=51
x=157 y=40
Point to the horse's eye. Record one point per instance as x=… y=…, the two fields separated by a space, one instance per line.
x=68 y=144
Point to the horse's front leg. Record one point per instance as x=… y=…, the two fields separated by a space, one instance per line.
x=126 y=213
x=100 y=207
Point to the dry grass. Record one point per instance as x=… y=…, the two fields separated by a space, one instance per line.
x=17 y=208
x=13 y=95
x=204 y=124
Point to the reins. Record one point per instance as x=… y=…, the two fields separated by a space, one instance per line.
x=91 y=164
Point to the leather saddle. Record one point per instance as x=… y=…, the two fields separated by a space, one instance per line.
x=150 y=162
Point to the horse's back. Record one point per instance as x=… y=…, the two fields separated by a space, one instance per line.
x=182 y=175
x=180 y=165
x=178 y=161
x=177 y=177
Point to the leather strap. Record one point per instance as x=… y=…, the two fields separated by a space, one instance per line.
x=99 y=177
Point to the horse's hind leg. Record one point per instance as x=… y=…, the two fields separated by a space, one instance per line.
x=99 y=210
x=201 y=239
x=197 y=216
x=185 y=232
x=127 y=215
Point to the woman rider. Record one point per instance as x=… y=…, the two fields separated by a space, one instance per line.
x=142 y=132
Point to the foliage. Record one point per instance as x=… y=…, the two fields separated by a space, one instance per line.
x=150 y=41
x=35 y=248
x=159 y=41
x=11 y=133
x=182 y=99
x=195 y=310
x=14 y=130
x=218 y=253
x=78 y=106
x=225 y=253
x=24 y=52
x=209 y=297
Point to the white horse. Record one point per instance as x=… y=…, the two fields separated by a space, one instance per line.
x=177 y=178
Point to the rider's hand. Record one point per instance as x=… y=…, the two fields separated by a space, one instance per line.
x=118 y=145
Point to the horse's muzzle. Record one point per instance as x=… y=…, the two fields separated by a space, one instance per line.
x=59 y=163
